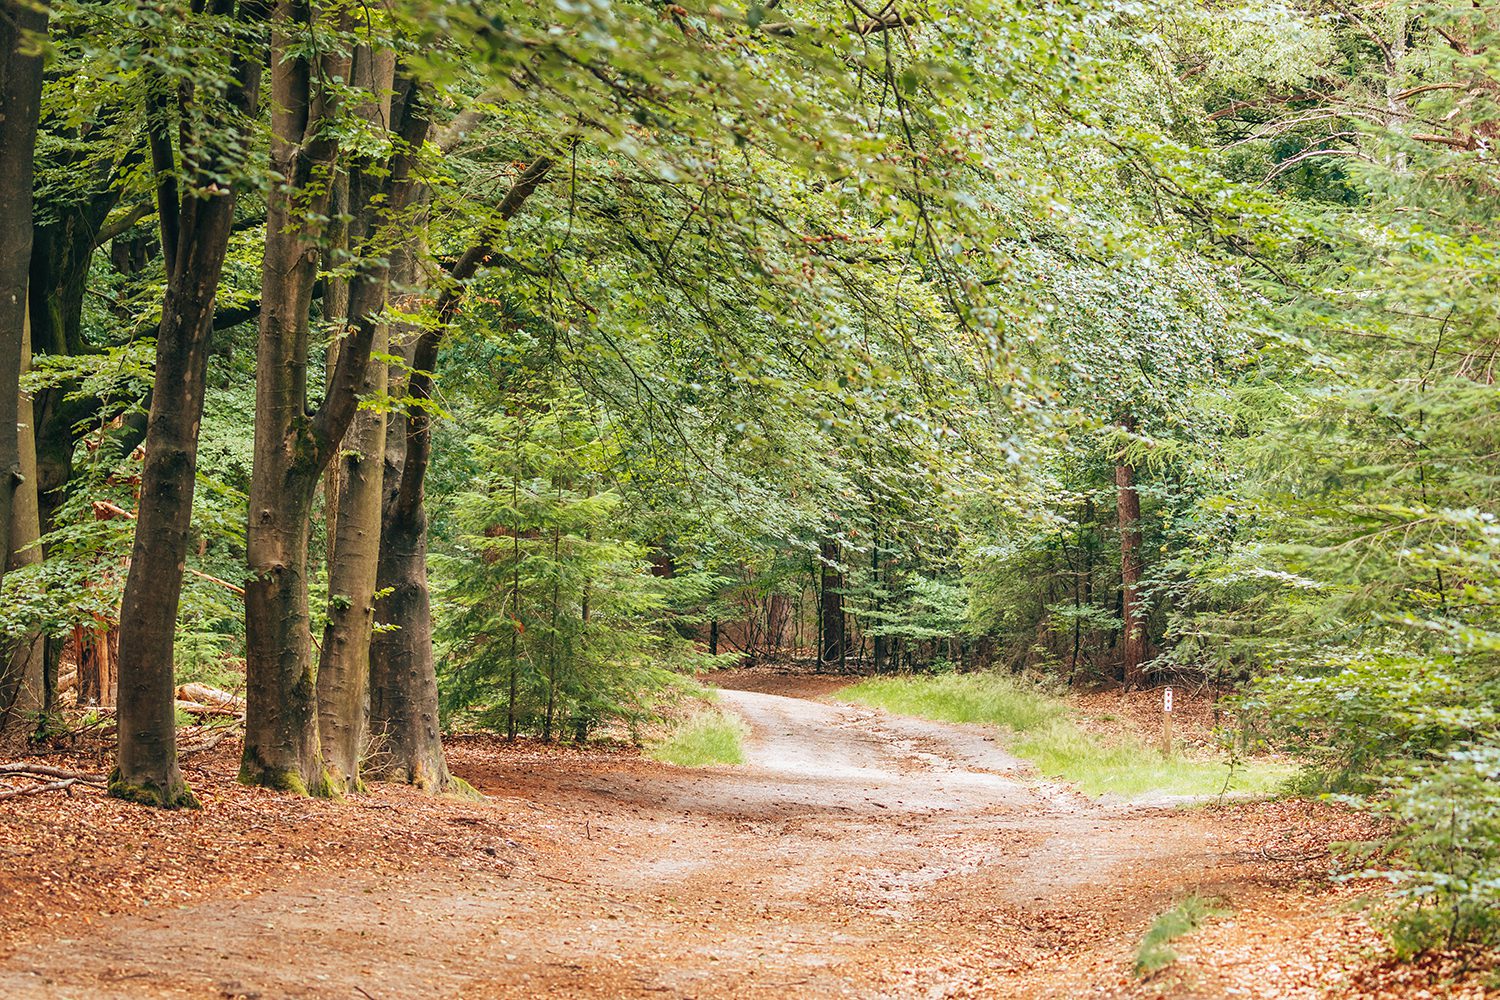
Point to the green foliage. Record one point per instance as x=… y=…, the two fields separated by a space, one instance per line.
x=549 y=620
x=1355 y=581
x=1445 y=865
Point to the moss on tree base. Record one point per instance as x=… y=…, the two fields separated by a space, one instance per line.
x=433 y=781
x=175 y=795
x=461 y=789
x=285 y=779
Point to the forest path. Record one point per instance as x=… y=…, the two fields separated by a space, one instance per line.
x=855 y=854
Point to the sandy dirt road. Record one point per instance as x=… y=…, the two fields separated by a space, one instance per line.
x=855 y=854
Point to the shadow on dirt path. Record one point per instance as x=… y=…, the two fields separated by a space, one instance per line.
x=855 y=854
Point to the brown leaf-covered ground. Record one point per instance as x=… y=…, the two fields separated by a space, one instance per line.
x=856 y=854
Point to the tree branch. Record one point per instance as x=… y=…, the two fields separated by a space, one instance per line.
x=424 y=357
x=164 y=166
x=122 y=224
x=1465 y=143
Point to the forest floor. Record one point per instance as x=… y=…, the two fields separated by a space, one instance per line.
x=855 y=854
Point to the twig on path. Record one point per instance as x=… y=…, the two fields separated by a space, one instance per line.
x=1266 y=853
x=566 y=881
x=361 y=991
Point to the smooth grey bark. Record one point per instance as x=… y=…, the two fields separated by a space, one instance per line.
x=293 y=444
x=353 y=484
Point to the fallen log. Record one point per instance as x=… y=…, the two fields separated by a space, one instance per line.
x=214 y=697
x=208 y=744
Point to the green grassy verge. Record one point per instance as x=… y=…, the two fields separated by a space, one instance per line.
x=1154 y=952
x=1039 y=728
x=709 y=736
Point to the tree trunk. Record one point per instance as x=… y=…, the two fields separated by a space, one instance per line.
x=353 y=487
x=23 y=29
x=1134 y=637
x=403 y=678
x=777 y=616
x=344 y=663
x=515 y=591
x=879 y=642
x=831 y=596
x=23 y=683
x=195 y=239
x=293 y=447
x=281 y=727
x=404 y=718
x=403 y=683
x=552 y=655
x=147 y=771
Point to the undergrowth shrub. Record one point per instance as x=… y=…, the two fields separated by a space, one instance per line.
x=1445 y=852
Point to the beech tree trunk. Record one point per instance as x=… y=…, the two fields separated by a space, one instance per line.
x=832 y=642
x=880 y=644
x=403 y=682
x=281 y=727
x=23 y=29
x=403 y=678
x=344 y=661
x=293 y=446
x=23 y=680
x=353 y=486
x=195 y=237
x=778 y=613
x=147 y=769
x=1133 y=641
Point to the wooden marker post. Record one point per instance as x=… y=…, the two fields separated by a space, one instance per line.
x=1166 y=722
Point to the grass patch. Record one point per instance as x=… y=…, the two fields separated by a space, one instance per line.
x=1040 y=729
x=1155 y=952
x=991 y=699
x=709 y=736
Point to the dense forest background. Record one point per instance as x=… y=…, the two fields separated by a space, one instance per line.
x=501 y=365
